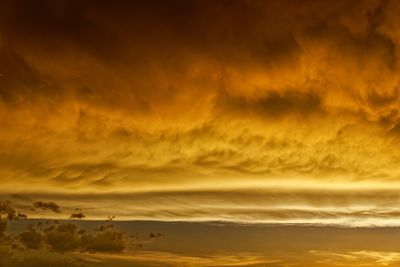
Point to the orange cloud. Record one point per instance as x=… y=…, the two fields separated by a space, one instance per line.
x=207 y=95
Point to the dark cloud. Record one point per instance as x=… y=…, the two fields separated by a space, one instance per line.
x=47 y=206
x=79 y=215
x=144 y=45
x=276 y=105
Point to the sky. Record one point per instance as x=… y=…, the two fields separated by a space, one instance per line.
x=243 y=111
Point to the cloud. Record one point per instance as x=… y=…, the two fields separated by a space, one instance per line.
x=275 y=106
x=143 y=96
x=79 y=215
x=47 y=206
x=357 y=207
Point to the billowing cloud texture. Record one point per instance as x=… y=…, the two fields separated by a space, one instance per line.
x=154 y=97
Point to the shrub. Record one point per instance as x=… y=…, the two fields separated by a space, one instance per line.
x=31 y=239
x=63 y=237
x=108 y=240
x=3 y=227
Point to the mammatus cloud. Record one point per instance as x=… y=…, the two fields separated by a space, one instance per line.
x=201 y=95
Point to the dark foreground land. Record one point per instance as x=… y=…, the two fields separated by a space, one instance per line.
x=221 y=244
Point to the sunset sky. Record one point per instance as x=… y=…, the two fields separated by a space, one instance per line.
x=283 y=112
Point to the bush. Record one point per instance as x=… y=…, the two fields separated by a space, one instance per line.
x=59 y=237
x=7 y=211
x=63 y=237
x=3 y=227
x=31 y=239
x=108 y=240
x=37 y=262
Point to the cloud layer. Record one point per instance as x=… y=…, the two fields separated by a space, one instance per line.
x=146 y=96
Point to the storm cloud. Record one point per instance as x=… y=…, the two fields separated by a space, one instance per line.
x=142 y=96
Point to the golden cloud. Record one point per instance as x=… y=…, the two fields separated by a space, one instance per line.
x=200 y=95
